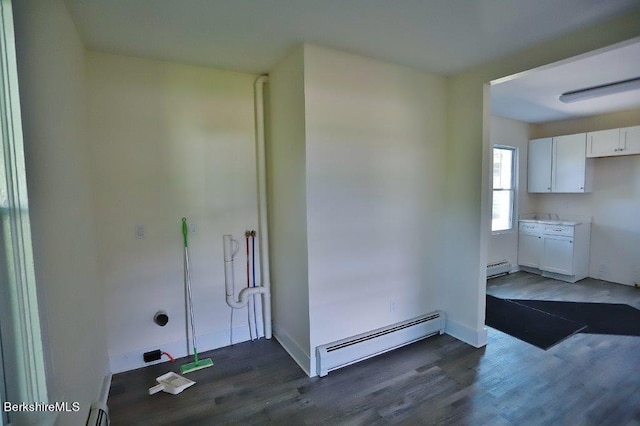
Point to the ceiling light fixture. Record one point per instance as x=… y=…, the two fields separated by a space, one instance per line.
x=603 y=90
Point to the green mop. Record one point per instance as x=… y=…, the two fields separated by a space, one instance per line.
x=197 y=364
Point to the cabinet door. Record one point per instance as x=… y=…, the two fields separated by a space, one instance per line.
x=569 y=163
x=630 y=140
x=539 y=165
x=529 y=250
x=603 y=143
x=557 y=255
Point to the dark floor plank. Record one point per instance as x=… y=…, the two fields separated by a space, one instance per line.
x=586 y=379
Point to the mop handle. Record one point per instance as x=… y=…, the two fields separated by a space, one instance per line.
x=187 y=278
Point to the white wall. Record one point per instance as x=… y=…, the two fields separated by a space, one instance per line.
x=52 y=78
x=375 y=140
x=466 y=224
x=169 y=141
x=614 y=203
x=288 y=207
x=469 y=156
x=356 y=192
x=504 y=131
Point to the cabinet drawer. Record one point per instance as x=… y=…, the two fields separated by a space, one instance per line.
x=559 y=230
x=531 y=228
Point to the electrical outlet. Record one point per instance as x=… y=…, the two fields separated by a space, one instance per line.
x=152 y=355
x=392 y=306
x=139 y=231
x=192 y=228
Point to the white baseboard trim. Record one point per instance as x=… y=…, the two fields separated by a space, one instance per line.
x=475 y=338
x=178 y=349
x=299 y=355
x=104 y=390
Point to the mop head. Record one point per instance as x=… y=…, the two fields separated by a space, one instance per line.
x=196 y=365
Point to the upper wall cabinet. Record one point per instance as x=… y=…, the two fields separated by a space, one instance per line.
x=539 y=165
x=612 y=142
x=603 y=143
x=559 y=165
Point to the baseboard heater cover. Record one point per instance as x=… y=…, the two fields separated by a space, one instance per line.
x=98 y=416
x=498 y=268
x=366 y=345
x=99 y=412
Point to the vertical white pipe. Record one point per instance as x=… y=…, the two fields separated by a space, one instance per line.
x=263 y=233
x=229 y=281
x=252 y=318
x=253 y=274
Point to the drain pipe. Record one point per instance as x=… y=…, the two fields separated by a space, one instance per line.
x=229 y=280
x=263 y=232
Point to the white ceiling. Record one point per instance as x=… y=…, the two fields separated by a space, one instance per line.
x=533 y=96
x=442 y=36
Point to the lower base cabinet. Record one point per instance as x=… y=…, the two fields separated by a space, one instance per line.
x=559 y=251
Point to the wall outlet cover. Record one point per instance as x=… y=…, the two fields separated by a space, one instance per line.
x=152 y=355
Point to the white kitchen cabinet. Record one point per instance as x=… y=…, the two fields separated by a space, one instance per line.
x=557 y=255
x=569 y=165
x=539 y=165
x=603 y=143
x=530 y=244
x=614 y=142
x=630 y=138
x=559 y=164
x=557 y=250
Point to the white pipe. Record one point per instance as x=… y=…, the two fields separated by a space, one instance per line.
x=243 y=297
x=263 y=233
x=252 y=319
x=229 y=280
x=229 y=252
x=252 y=300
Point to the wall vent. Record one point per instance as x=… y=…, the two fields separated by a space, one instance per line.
x=498 y=268
x=366 y=345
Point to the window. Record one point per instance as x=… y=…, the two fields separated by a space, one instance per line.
x=22 y=368
x=503 y=188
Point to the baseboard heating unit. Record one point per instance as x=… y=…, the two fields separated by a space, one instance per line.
x=498 y=268
x=98 y=416
x=366 y=345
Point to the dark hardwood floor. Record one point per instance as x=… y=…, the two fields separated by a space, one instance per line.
x=586 y=379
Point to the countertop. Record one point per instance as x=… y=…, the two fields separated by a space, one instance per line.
x=552 y=222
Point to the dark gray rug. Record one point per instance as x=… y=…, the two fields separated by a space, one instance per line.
x=599 y=318
x=528 y=324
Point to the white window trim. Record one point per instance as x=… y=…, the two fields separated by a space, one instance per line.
x=26 y=358
x=514 y=188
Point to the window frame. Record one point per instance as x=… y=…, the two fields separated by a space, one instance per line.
x=513 y=189
x=23 y=353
